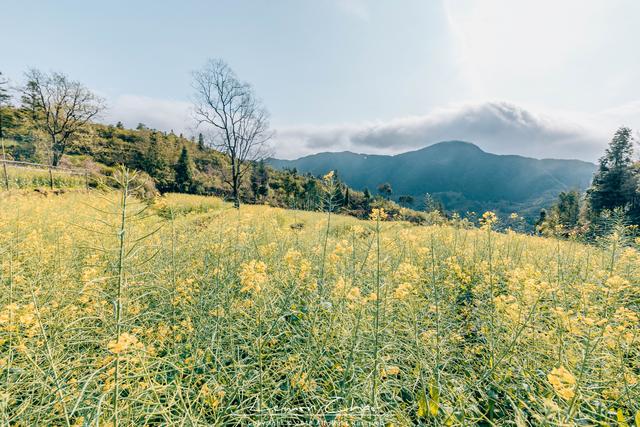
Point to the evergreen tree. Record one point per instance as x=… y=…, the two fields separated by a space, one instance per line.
x=406 y=200
x=338 y=196
x=540 y=223
x=367 y=199
x=184 y=172
x=119 y=125
x=4 y=101
x=431 y=204
x=615 y=183
x=259 y=180
x=201 y=145
x=311 y=193
x=567 y=209
x=29 y=101
x=291 y=186
x=385 y=190
x=152 y=158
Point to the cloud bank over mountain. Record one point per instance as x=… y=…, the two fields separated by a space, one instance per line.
x=497 y=127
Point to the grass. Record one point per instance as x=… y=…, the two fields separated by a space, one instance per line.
x=27 y=178
x=186 y=311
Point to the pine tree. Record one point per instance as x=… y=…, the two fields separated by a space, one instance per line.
x=615 y=183
x=567 y=209
x=385 y=190
x=29 y=102
x=259 y=180
x=153 y=160
x=367 y=194
x=201 y=145
x=184 y=172
x=431 y=204
x=4 y=101
x=367 y=199
x=338 y=195
x=291 y=185
x=311 y=193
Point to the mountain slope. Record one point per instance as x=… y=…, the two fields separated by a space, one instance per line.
x=459 y=173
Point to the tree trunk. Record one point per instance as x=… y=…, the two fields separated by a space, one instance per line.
x=236 y=192
x=235 y=180
x=57 y=151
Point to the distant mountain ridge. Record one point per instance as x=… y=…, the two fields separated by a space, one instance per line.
x=460 y=174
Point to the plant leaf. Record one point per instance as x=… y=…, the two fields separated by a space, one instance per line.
x=422 y=404
x=434 y=400
x=622 y=422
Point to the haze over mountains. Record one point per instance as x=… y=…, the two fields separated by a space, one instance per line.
x=460 y=174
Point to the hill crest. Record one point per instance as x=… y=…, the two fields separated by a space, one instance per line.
x=459 y=173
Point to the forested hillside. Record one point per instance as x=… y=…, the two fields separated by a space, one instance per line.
x=459 y=174
x=174 y=163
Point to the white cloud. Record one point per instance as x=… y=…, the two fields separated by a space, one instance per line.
x=567 y=54
x=156 y=113
x=497 y=127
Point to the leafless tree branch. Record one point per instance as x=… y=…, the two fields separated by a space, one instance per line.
x=63 y=107
x=238 y=121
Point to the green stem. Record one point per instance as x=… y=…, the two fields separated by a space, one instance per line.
x=121 y=283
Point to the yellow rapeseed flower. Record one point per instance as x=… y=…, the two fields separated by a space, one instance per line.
x=488 y=219
x=389 y=371
x=378 y=214
x=125 y=343
x=253 y=276
x=563 y=382
x=403 y=290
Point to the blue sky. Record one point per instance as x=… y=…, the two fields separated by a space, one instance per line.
x=541 y=78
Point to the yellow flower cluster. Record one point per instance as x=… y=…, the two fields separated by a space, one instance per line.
x=253 y=276
x=378 y=214
x=354 y=296
x=186 y=291
x=407 y=276
x=389 y=371
x=269 y=315
x=488 y=219
x=124 y=344
x=212 y=396
x=563 y=382
x=15 y=316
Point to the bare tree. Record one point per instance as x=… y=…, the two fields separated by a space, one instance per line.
x=62 y=107
x=237 y=119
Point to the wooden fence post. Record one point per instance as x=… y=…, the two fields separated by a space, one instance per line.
x=6 y=175
x=4 y=166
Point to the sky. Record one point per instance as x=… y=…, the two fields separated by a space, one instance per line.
x=542 y=78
